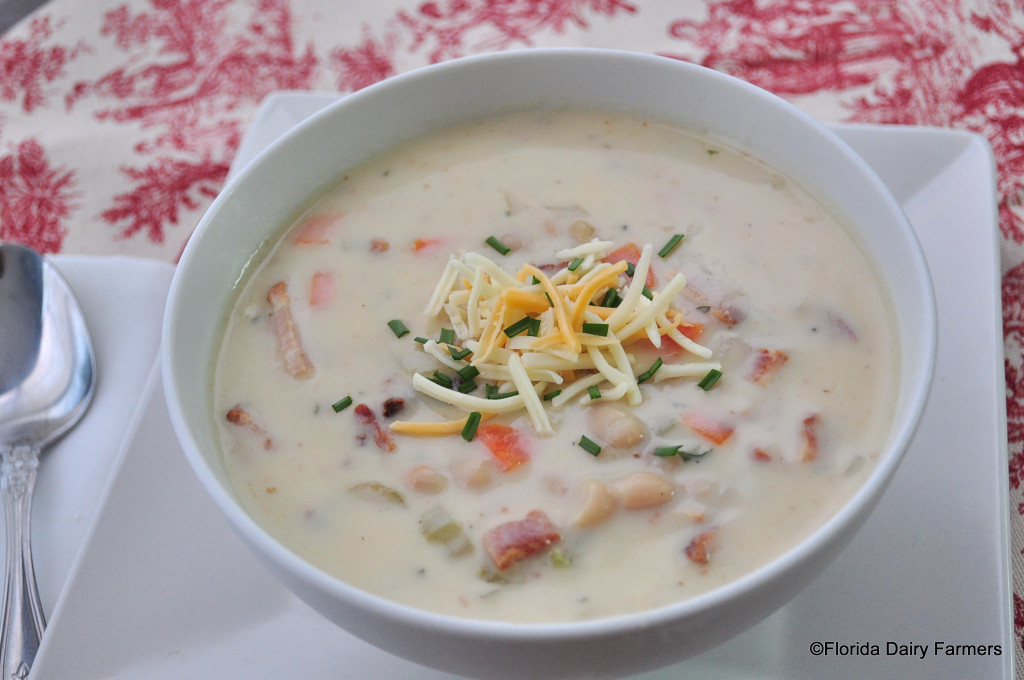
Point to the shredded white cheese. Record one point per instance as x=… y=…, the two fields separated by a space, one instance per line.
x=482 y=302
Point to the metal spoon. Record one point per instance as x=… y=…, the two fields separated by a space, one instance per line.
x=47 y=373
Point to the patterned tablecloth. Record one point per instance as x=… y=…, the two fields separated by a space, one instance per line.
x=119 y=118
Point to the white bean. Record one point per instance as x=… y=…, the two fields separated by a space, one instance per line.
x=642 y=490
x=615 y=427
x=426 y=479
x=598 y=505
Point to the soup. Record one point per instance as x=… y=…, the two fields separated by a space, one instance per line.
x=554 y=366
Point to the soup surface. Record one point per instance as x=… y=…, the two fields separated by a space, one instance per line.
x=554 y=366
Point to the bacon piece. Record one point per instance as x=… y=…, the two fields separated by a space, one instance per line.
x=393 y=406
x=700 y=549
x=809 y=433
x=761 y=456
x=321 y=291
x=712 y=429
x=242 y=418
x=379 y=245
x=296 y=363
x=381 y=437
x=517 y=540
x=765 y=364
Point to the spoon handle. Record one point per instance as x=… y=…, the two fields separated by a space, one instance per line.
x=23 y=620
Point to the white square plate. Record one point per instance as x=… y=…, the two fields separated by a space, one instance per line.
x=162 y=588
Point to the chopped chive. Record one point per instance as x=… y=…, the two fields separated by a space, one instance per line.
x=534 y=330
x=708 y=381
x=590 y=447
x=447 y=337
x=498 y=245
x=518 y=327
x=647 y=293
x=420 y=339
x=467 y=386
x=442 y=379
x=611 y=298
x=548 y=296
x=646 y=375
x=500 y=395
x=672 y=244
x=535 y=280
x=669 y=451
x=630 y=269
x=341 y=404
x=704 y=308
x=552 y=394
x=594 y=391
x=469 y=429
x=574 y=265
x=398 y=328
x=692 y=455
x=490 y=389
x=459 y=354
x=596 y=329
x=469 y=372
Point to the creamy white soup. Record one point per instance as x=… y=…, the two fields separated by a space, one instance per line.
x=554 y=366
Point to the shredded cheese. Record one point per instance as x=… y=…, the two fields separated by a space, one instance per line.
x=481 y=301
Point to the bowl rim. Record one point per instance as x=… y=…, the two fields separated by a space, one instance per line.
x=846 y=519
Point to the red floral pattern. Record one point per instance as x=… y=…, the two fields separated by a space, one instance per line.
x=169 y=86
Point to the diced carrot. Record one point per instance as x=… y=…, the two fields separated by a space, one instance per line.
x=296 y=363
x=630 y=253
x=714 y=430
x=761 y=456
x=381 y=437
x=765 y=364
x=699 y=550
x=316 y=230
x=321 y=291
x=809 y=433
x=507 y=445
x=423 y=244
x=514 y=541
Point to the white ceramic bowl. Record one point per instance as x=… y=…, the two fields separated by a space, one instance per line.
x=255 y=206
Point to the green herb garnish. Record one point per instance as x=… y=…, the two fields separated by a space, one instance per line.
x=459 y=354
x=574 y=265
x=646 y=375
x=594 y=391
x=398 y=328
x=596 y=329
x=341 y=404
x=498 y=245
x=551 y=395
x=672 y=244
x=708 y=381
x=446 y=337
x=469 y=429
x=589 y=446
x=520 y=326
x=442 y=380
x=469 y=372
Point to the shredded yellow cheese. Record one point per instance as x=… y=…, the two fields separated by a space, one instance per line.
x=481 y=301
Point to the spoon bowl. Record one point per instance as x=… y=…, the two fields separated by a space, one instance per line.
x=47 y=378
